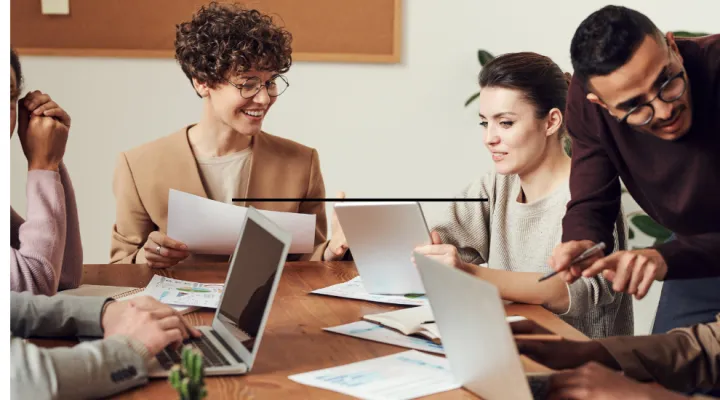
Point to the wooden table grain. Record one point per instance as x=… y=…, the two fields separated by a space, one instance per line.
x=294 y=341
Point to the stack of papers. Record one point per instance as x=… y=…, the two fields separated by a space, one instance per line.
x=406 y=375
x=354 y=289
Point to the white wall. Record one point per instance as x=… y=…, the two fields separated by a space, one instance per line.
x=381 y=130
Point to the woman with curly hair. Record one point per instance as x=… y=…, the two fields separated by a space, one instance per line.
x=234 y=58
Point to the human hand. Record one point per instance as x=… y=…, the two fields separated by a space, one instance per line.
x=564 y=253
x=631 y=271
x=337 y=246
x=163 y=252
x=557 y=353
x=154 y=324
x=43 y=129
x=444 y=253
x=594 y=381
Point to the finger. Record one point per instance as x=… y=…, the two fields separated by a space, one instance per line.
x=151 y=255
x=340 y=250
x=527 y=327
x=58 y=113
x=647 y=281
x=433 y=249
x=340 y=195
x=565 y=253
x=609 y=275
x=36 y=99
x=623 y=273
x=637 y=276
x=531 y=349
x=174 y=322
x=160 y=253
x=160 y=264
x=567 y=276
x=435 y=238
x=164 y=241
x=174 y=337
x=569 y=393
x=40 y=109
x=609 y=262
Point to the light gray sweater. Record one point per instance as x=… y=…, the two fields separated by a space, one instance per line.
x=89 y=370
x=520 y=237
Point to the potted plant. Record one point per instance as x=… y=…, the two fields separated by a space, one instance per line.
x=188 y=379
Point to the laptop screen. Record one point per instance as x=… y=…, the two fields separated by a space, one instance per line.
x=247 y=290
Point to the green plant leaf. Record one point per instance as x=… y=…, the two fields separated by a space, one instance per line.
x=649 y=227
x=472 y=98
x=631 y=233
x=484 y=57
x=568 y=146
x=689 y=34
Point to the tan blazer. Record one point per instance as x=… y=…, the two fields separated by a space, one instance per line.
x=280 y=168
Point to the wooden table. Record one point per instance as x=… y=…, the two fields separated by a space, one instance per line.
x=294 y=341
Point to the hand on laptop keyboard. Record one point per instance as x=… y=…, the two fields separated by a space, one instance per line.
x=148 y=321
x=211 y=355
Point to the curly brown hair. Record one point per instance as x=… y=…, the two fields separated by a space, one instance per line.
x=225 y=39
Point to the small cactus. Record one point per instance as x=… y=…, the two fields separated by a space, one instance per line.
x=188 y=379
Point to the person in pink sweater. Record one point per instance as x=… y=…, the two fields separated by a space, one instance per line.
x=45 y=248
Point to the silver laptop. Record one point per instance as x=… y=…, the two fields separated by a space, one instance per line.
x=230 y=345
x=382 y=237
x=477 y=339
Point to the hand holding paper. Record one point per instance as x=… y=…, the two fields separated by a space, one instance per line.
x=212 y=227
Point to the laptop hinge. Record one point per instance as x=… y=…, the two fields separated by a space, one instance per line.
x=225 y=345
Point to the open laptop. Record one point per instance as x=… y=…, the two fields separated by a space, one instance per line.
x=382 y=237
x=477 y=339
x=231 y=343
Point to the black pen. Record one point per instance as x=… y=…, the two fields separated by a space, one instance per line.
x=582 y=257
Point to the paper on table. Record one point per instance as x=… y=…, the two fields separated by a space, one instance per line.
x=354 y=289
x=369 y=331
x=405 y=375
x=212 y=227
x=184 y=293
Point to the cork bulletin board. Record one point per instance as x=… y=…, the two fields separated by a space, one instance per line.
x=323 y=30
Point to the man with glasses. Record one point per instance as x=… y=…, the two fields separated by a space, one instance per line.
x=645 y=107
x=234 y=58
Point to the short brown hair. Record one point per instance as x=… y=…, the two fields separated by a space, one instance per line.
x=223 y=39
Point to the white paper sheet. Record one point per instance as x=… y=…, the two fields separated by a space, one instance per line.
x=212 y=227
x=184 y=293
x=353 y=289
x=369 y=331
x=406 y=375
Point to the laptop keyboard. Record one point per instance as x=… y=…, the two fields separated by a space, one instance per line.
x=211 y=355
x=539 y=385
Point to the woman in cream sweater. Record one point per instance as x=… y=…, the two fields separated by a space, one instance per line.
x=521 y=115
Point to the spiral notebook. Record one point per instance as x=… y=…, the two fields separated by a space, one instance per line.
x=118 y=293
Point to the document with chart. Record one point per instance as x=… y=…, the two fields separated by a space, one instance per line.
x=405 y=375
x=184 y=293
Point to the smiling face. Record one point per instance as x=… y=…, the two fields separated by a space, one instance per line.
x=228 y=107
x=515 y=137
x=639 y=81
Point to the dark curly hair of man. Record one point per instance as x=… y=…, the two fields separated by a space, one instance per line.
x=226 y=39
